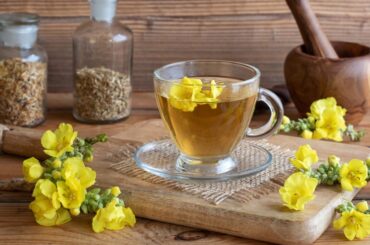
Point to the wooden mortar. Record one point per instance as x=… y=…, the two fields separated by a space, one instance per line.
x=310 y=78
x=320 y=68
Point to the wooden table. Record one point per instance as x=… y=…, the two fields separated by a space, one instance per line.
x=17 y=224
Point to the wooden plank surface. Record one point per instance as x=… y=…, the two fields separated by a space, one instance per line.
x=252 y=31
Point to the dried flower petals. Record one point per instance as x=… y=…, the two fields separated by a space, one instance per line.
x=22 y=92
x=102 y=94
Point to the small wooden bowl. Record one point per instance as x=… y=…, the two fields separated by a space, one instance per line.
x=310 y=78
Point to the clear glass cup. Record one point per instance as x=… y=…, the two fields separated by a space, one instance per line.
x=206 y=131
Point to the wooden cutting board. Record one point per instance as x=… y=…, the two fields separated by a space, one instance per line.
x=262 y=219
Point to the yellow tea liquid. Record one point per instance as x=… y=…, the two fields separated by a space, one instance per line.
x=207 y=132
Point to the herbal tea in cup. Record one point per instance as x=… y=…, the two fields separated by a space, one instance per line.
x=207 y=107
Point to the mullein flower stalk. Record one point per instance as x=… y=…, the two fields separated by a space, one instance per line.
x=324 y=121
x=63 y=183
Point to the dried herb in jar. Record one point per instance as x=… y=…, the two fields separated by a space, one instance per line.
x=22 y=92
x=101 y=94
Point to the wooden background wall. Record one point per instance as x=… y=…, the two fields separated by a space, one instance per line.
x=259 y=32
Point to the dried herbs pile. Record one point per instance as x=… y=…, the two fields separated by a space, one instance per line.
x=101 y=94
x=22 y=92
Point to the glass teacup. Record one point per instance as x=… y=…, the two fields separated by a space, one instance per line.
x=207 y=106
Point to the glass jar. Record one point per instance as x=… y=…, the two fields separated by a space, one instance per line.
x=23 y=71
x=102 y=49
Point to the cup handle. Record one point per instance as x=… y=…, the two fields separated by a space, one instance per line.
x=277 y=112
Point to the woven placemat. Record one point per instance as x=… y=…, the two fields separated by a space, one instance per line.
x=242 y=190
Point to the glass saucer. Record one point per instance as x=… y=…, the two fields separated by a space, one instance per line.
x=160 y=158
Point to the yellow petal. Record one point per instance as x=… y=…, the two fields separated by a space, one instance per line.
x=361 y=233
x=349 y=232
x=49 y=140
x=63 y=217
x=41 y=220
x=47 y=188
x=29 y=162
x=346 y=185
x=51 y=153
x=129 y=216
x=340 y=223
x=319 y=134
x=98 y=223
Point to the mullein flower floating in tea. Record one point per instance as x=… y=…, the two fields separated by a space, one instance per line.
x=324 y=121
x=63 y=182
x=299 y=188
x=191 y=92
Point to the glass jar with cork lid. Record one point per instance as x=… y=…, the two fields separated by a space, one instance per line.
x=102 y=50
x=23 y=71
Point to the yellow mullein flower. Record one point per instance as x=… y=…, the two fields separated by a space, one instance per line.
x=74 y=168
x=113 y=217
x=353 y=174
x=298 y=189
x=46 y=206
x=330 y=125
x=354 y=224
x=46 y=215
x=70 y=193
x=319 y=106
x=32 y=169
x=46 y=188
x=59 y=142
x=182 y=95
x=305 y=156
x=187 y=94
x=362 y=206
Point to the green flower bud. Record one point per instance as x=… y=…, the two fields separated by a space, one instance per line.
x=56 y=174
x=57 y=163
x=311 y=120
x=89 y=157
x=95 y=191
x=96 y=197
x=84 y=209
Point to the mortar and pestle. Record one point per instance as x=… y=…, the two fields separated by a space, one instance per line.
x=320 y=68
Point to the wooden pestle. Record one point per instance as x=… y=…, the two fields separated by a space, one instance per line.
x=315 y=41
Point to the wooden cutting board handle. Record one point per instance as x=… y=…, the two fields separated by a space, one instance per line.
x=315 y=40
x=21 y=141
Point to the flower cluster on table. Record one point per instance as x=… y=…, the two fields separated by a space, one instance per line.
x=324 y=121
x=300 y=186
x=63 y=183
